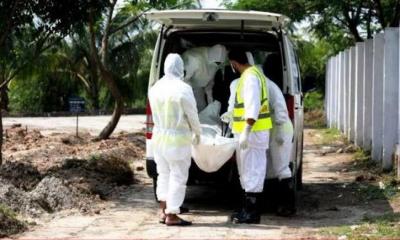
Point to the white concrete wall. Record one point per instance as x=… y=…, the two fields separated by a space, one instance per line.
x=377 y=100
x=359 y=98
x=367 y=96
x=390 y=96
x=352 y=95
x=347 y=91
x=362 y=95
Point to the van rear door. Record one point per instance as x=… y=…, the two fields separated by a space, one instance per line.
x=222 y=19
x=293 y=89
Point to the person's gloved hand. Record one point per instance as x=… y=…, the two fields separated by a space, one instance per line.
x=226 y=117
x=244 y=137
x=196 y=139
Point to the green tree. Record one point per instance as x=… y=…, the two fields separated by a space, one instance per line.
x=42 y=23
x=359 y=19
x=109 y=27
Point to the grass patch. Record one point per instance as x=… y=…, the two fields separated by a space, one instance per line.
x=331 y=135
x=370 y=227
x=314 y=109
x=9 y=224
x=362 y=160
x=385 y=186
x=313 y=101
x=368 y=192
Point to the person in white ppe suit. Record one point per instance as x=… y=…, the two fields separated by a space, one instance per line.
x=251 y=124
x=281 y=136
x=176 y=127
x=201 y=64
x=280 y=140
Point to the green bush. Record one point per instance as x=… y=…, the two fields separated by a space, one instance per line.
x=314 y=101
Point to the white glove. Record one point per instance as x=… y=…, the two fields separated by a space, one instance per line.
x=196 y=139
x=244 y=137
x=226 y=117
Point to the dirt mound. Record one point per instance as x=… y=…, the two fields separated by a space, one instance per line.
x=51 y=194
x=20 y=174
x=44 y=174
x=18 y=200
x=97 y=176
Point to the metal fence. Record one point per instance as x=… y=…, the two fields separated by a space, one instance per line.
x=362 y=95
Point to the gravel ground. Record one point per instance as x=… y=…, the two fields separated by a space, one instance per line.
x=330 y=198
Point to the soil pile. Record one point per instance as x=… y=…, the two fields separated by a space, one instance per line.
x=45 y=174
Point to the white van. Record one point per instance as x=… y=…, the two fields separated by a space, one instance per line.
x=262 y=34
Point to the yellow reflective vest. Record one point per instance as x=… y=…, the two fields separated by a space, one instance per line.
x=264 y=121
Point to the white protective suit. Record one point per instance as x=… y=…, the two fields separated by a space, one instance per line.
x=280 y=144
x=279 y=150
x=175 y=120
x=252 y=161
x=201 y=66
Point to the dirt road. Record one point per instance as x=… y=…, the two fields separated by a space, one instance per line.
x=91 y=124
x=331 y=197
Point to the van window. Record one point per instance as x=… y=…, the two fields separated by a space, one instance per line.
x=294 y=67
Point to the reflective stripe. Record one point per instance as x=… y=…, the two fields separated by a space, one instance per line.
x=263 y=115
x=264 y=121
x=172 y=140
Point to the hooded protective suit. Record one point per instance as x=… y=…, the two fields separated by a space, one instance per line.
x=201 y=66
x=175 y=121
x=281 y=135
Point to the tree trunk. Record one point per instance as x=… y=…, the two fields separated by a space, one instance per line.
x=106 y=75
x=118 y=105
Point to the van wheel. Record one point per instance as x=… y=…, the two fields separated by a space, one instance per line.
x=155 y=188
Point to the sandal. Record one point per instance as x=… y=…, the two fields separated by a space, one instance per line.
x=180 y=222
x=162 y=219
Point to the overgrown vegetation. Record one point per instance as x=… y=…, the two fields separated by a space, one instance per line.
x=371 y=227
x=9 y=223
x=331 y=135
x=314 y=115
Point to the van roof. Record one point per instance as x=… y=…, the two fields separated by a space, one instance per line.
x=210 y=18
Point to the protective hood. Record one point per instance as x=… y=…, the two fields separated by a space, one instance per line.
x=250 y=58
x=217 y=53
x=173 y=66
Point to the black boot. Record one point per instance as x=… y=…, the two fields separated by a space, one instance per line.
x=286 y=198
x=238 y=209
x=250 y=213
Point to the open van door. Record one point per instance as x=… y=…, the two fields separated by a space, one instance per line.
x=292 y=87
x=206 y=19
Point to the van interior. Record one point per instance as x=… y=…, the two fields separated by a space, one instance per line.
x=265 y=48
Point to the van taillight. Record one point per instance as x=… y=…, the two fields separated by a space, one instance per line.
x=149 y=121
x=290 y=106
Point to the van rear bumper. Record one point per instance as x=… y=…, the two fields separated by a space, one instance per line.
x=151 y=168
